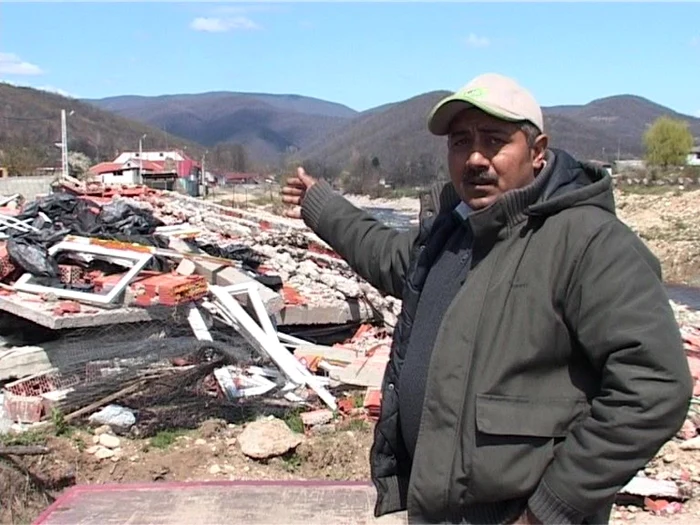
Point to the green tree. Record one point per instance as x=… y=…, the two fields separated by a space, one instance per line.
x=668 y=141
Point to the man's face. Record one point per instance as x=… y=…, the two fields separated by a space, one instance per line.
x=488 y=157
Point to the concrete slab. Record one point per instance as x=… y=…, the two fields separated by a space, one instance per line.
x=230 y=502
x=336 y=312
x=32 y=308
x=226 y=276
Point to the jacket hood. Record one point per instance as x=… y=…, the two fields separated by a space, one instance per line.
x=573 y=183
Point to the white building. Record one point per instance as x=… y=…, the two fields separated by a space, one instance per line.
x=693 y=158
x=153 y=156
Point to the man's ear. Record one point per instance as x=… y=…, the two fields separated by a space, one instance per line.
x=539 y=150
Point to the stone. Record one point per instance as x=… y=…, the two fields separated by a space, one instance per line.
x=96 y=440
x=104 y=429
x=92 y=449
x=200 y=442
x=691 y=444
x=212 y=427
x=688 y=430
x=109 y=441
x=267 y=438
x=215 y=469
x=120 y=419
x=104 y=453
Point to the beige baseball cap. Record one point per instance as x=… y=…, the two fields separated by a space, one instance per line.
x=492 y=93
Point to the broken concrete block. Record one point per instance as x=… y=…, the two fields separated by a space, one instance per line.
x=226 y=276
x=317 y=417
x=267 y=438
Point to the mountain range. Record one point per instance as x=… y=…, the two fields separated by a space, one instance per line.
x=274 y=125
x=278 y=128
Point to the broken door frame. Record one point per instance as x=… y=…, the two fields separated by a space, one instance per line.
x=140 y=259
x=262 y=340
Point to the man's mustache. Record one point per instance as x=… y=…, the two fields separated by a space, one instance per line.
x=478 y=176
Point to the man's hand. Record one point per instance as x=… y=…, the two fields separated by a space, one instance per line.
x=294 y=191
x=527 y=518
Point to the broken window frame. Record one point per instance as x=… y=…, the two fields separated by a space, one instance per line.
x=140 y=260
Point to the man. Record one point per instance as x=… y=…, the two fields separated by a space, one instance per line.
x=536 y=365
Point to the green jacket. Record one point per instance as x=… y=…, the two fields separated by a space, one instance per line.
x=558 y=371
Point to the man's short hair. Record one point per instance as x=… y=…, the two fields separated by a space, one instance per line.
x=531 y=133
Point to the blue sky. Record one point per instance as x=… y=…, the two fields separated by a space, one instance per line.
x=360 y=54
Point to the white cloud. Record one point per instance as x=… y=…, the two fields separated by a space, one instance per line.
x=697 y=113
x=477 y=41
x=221 y=25
x=11 y=64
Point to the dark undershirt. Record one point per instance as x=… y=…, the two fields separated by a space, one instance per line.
x=444 y=280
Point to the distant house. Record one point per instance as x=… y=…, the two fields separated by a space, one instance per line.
x=130 y=172
x=240 y=178
x=182 y=165
x=693 y=158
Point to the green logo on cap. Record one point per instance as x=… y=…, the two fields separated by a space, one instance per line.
x=476 y=93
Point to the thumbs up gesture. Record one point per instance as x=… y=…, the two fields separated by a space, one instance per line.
x=294 y=191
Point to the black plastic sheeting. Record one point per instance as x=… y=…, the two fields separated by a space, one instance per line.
x=70 y=215
x=117 y=220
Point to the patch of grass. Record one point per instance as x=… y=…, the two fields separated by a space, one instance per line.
x=165 y=438
x=359 y=425
x=291 y=462
x=60 y=425
x=294 y=421
x=28 y=438
x=358 y=400
x=79 y=444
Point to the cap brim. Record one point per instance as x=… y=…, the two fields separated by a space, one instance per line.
x=448 y=108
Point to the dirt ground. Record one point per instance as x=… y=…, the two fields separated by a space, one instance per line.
x=212 y=453
x=668 y=221
x=29 y=484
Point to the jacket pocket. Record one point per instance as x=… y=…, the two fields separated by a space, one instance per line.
x=514 y=442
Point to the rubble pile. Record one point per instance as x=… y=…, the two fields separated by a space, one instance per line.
x=221 y=285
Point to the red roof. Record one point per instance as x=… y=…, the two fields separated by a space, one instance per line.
x=151 y=165
x=106 y=167
x=109 y=167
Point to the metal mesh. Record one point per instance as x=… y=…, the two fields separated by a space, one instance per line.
x=159 y=369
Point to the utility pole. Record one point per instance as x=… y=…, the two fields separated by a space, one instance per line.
x=64 y=145
x=141 y=158
x=202 y=174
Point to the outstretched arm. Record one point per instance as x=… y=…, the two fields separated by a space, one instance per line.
x=378 y=253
